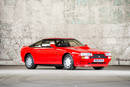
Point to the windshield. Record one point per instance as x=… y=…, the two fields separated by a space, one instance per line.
x=68 y=43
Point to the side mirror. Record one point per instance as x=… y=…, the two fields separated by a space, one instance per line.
x=53 y=45
x=86 y=45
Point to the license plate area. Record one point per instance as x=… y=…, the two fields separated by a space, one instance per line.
x=98 y=60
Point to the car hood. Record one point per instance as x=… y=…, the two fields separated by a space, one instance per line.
x=84 y=50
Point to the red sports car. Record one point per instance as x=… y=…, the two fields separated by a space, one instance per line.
x=63 y=53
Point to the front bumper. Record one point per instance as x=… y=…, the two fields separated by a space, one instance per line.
x=90 y=62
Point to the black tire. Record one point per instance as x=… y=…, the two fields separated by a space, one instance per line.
x=98 y=68
x=29 y=62
x=59 y=67
x=68 y=58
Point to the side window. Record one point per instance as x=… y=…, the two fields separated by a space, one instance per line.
x=47 y=43
x=73 y=43
x=38 y=44
x=62 y=43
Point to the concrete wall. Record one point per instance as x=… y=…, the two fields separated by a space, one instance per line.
x=102 y=24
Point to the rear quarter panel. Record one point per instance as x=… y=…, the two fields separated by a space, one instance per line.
x=24 y=51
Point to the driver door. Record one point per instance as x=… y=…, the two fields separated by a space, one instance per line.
x=47 y=54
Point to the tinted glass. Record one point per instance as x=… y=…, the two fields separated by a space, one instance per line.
x=37 y=44
x=47 y=43
x=68 y=43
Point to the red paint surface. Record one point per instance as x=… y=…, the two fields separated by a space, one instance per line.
x=55 y=55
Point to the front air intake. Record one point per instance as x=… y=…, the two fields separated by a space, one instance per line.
x=98 y=56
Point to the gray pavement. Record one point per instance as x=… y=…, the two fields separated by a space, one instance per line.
x=19 y=76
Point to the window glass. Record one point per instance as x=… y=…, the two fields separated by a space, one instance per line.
x=47 y=43
x=38 y=44
x=68 y=43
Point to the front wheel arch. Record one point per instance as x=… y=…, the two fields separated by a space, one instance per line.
x=72 y=63
x=64 y=57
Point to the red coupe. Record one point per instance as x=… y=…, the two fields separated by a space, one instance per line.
x=63 y=53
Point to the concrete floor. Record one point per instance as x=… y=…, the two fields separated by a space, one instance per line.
x=19 y=76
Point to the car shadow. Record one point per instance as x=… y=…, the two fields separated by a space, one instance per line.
x=51 y=68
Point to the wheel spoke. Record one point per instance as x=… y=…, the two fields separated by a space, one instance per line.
x=29 y=61
x=67 y=62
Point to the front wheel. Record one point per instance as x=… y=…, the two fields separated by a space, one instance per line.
x=29 y=62
x=98 y=68
x=68 y=62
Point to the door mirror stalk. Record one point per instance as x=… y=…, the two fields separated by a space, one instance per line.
x=53 y=45
x=86 y=45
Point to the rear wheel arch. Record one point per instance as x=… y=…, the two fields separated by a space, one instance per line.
x=29 y=62
x=26 y=56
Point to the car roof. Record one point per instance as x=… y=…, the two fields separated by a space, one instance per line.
x=59 y=38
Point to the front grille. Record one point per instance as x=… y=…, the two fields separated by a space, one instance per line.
x=98 y=56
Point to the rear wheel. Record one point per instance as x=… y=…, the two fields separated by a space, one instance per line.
x=98 y=68
x=29 y=62
x=68 y=62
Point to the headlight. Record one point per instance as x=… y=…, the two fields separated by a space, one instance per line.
x=86 y=54
x=108 y=54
